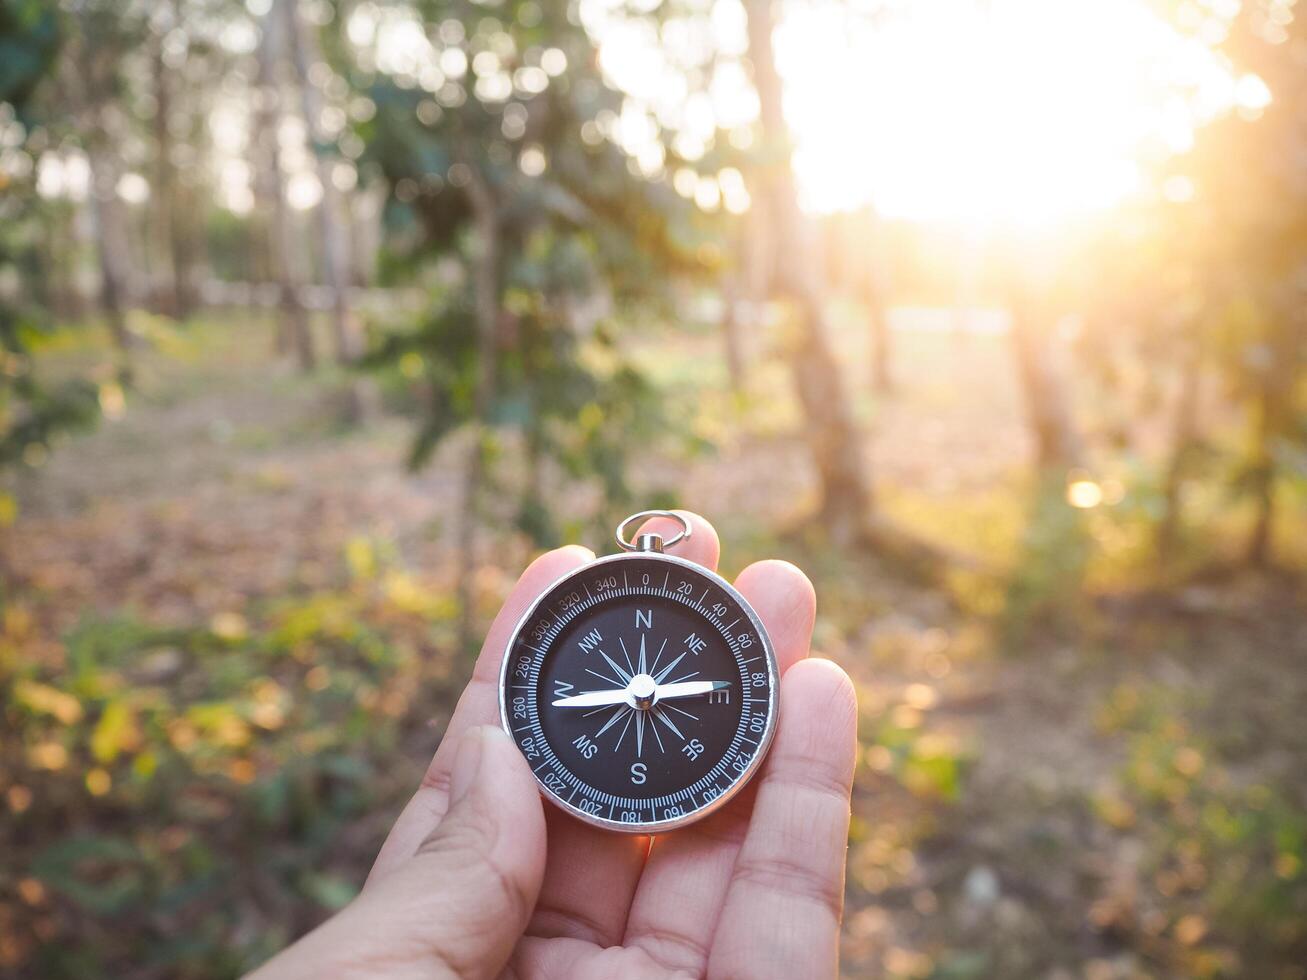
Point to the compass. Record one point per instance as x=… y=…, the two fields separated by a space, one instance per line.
x=642 y=688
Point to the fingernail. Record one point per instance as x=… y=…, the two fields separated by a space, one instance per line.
x=467 y=763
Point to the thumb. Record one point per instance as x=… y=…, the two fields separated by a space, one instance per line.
x=459 y=905
x=480 y=869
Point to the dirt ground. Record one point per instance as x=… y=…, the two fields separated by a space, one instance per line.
x=1002 y=827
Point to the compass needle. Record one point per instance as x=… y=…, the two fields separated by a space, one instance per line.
x=581 y=702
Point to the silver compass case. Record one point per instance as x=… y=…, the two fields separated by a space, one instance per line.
x=587 y=685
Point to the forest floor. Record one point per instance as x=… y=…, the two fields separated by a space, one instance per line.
x=1062 y=774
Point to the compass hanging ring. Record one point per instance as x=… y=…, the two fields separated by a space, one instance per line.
x=652 y=542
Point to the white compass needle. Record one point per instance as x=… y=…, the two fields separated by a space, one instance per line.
x=622 y=695
x=593 y=699
x=689 y=689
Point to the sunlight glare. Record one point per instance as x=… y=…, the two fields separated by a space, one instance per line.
x=986 y=112
x=1015 y=111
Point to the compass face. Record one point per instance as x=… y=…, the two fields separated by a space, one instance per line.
x=642 y=691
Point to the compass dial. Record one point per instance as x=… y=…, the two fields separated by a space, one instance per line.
x=642 y=691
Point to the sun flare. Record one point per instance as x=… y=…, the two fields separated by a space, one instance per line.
x=984 y=112
x=1020 y=111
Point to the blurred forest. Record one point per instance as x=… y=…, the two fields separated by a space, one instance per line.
x=319 y=317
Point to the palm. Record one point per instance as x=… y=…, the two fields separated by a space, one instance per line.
x=754 y=890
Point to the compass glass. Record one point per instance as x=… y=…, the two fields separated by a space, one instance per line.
x=641 y=690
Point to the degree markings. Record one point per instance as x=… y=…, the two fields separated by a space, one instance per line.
x=732 y=753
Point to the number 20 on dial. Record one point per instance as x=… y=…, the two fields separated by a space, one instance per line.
x=641 y=688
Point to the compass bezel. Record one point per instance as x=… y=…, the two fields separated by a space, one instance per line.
x=740 y=779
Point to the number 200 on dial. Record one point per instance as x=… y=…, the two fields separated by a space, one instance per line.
x=642 y=690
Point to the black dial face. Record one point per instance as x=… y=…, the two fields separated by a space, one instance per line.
x=641 y=690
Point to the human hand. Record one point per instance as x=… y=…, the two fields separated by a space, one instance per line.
x=478 y=879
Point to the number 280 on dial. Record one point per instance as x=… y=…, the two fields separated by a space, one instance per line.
x=642 y=691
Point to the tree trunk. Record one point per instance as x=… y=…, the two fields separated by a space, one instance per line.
x=882 y=343
x=1047 y=414
x=111 y=247
x=1184 y=438
x=485 y=295
x=293 y=332
x=163 y=203
x=332 y=213
x=731 y=333
x=1262 y=479
x=846 y=500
